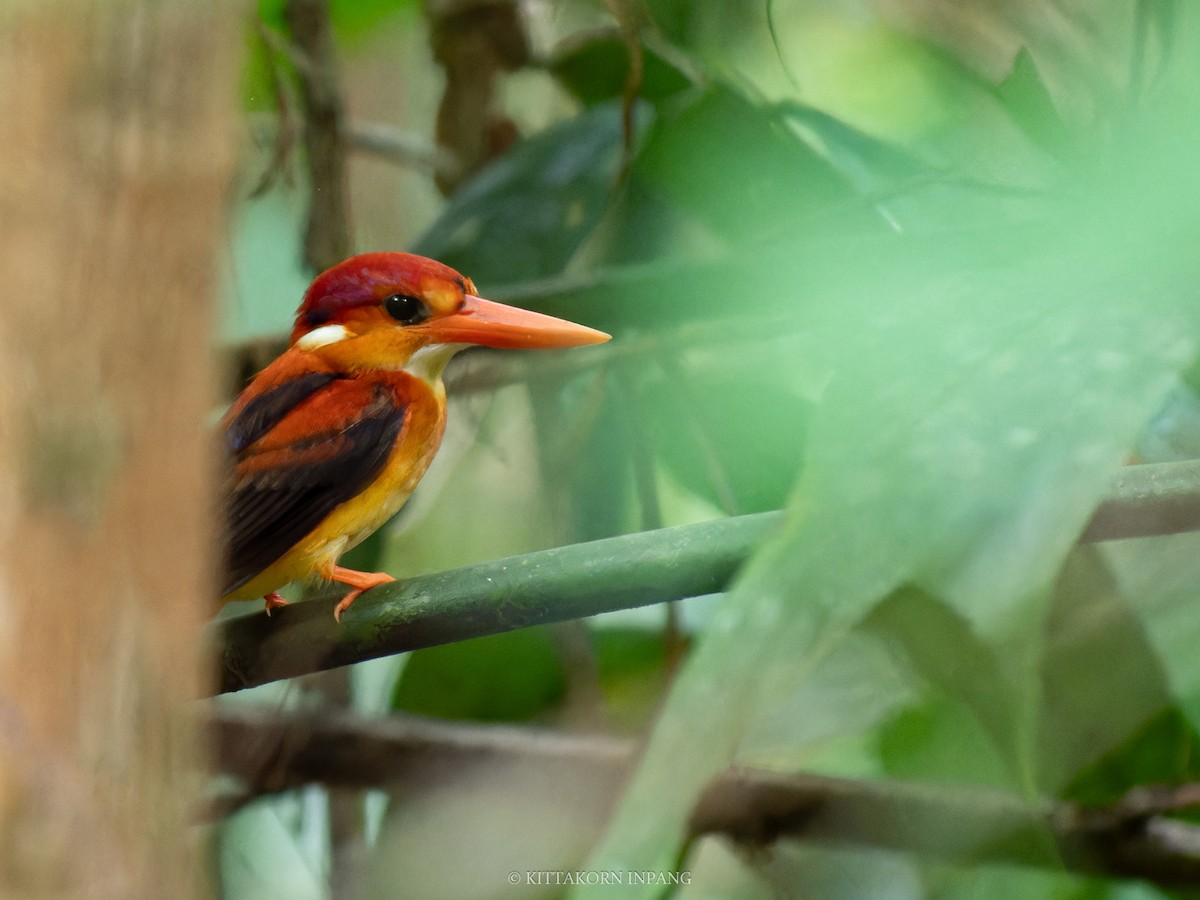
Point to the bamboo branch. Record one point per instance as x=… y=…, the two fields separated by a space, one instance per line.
x=473 y=601
x=588 y=579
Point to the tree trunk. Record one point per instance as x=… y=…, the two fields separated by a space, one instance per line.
x=115 y=129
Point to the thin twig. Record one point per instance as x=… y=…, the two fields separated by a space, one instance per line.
x=288 y=124
x=402 y=147
x=327 y=232
x=627 y=14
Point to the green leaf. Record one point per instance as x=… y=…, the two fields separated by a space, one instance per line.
x=1159 y=578
x=1163 y=749
x=583 y=443
x=1027 y=100
x=965 y=437
x=942 y=740
x=1007 y=882
x=596 y=69
x=1102 y=679
x=632 y=668
x=967 y=696
x=354 y=19
x=523 y=215
x=728 y=437
x=350 y=18
x=504 y=678
x=727 y=162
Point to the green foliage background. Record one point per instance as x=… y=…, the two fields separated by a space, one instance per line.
x=926 y=288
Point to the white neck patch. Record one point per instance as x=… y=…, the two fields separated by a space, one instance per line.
x=429 y=362
x=323 y=337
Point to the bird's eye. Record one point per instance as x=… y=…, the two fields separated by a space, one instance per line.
x=405 y=309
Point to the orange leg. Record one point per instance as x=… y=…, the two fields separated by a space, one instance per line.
x=360 y=581
x=273 y=601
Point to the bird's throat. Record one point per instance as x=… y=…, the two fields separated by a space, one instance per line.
x=429 y=363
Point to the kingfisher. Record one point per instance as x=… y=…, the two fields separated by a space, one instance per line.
x=329 y=440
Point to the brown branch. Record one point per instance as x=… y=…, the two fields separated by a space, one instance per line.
x=757 y=809
x=269 y=752
x=1157 y=499
x=475 y=42
x=628 y=14
x=402 y=147
x=327 y=232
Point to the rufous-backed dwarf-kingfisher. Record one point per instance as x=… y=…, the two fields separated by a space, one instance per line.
x=329 y=440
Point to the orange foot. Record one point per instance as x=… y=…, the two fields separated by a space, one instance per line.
x=273 y=601
x=360 y=581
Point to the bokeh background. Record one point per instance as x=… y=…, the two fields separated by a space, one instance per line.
x=917 y=271
x=920 y=275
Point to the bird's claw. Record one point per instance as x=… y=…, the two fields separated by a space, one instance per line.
x=273 y=601
x=365 y=581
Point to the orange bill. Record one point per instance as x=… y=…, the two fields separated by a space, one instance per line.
x=491 y=324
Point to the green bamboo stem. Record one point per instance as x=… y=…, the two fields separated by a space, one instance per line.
x=535 y=589
x=596 y=577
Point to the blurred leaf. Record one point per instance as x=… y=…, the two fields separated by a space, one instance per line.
x=1102 y=680
x=1159 y=578
x=1174 y=433
x=595 y=70
x=943 y=741
x=267 y=851
x=1162 y=750
x=726 y=437
x=271 y=13
x=960 y=446
x=350 y=18
x=1008 y=882
x=965 y=679
x=832 y=873
x=819 y=723
x=504 y=678
x=722 y=23
x=584 y=445
x=631 y=665
x=354 y=19
x=524 y=214
x=874 y=165
x=914 y=191
x=1027 y=100
x=257 y=82
x=728 y=162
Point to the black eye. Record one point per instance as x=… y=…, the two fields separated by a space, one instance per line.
x=405 y=309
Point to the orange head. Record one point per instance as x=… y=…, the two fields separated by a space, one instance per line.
x=384 y=307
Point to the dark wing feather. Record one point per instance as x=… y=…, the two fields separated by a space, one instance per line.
x=284 y=489
x=263 y=413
